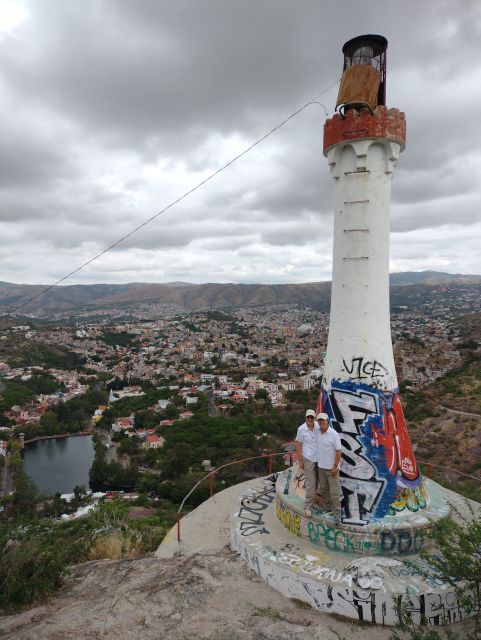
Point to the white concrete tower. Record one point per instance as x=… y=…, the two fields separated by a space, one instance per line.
x=360 y=390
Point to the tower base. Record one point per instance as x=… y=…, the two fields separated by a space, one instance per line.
x=335 y=574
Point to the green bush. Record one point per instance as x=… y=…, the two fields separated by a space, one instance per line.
x=458 y=562
x=28 y=573
x=34 y=556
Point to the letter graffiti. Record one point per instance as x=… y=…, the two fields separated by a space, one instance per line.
x=379 y=474
x=333 y=539
x=362 y=369
x=251 y=515
x=401 y=542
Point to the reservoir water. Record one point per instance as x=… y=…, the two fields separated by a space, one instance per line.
x=58 y=465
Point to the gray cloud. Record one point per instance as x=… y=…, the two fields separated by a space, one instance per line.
x=112 y=110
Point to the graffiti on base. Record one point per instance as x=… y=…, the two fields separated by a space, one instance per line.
x=289 y=518
x=395 y=542
x=412 y=499
x=299 y=483
x=358 y=590
x=251 y=512
x=379 y=474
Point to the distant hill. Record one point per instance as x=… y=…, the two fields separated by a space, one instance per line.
x=408 y=289
x=431 y=277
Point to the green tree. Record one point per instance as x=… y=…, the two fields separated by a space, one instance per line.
x=26 y=494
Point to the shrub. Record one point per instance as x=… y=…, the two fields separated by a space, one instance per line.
x=458 y=562
x=34 y=556
x=28 y=573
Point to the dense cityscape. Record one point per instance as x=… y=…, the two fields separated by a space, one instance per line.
x=224 y=360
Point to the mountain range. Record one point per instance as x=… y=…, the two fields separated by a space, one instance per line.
x=188 y=296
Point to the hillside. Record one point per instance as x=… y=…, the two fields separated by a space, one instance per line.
x=432 y=277
x=412 y=290
x=444 y=420
x=211 y=596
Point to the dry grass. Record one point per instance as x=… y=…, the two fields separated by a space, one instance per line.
x=117 y=545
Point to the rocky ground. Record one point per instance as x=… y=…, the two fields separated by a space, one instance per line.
x=204 y=597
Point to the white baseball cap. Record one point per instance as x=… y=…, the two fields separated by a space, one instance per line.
x=322 y=416
x=310 y=413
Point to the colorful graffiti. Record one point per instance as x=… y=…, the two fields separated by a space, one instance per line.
x=289 y=518
x=379 y=473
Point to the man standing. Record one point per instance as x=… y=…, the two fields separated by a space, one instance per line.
x=328 y=462
x=306 y=447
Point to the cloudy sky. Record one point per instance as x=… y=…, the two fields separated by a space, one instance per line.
x=110 y=110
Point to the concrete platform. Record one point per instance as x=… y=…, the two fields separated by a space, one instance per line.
x=372 y=588
x=330 y=575
x=207 y=528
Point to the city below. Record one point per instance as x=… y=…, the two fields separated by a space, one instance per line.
x=172 y=365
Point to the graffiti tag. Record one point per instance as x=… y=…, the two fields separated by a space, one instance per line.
x=251 y=512
x=362 y=369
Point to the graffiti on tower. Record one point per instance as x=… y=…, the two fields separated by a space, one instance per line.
x=379 y=473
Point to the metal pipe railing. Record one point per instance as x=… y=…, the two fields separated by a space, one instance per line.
x=212 y=473
x=429 y=465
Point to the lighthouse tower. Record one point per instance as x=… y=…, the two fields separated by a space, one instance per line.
x=355 y=567
x=362 y=143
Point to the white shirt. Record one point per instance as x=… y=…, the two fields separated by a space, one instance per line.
x=308 y=439
x=327 y=444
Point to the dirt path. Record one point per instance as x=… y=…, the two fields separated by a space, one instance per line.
x=461 y=413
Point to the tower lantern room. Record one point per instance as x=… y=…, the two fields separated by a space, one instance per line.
x=363 y=81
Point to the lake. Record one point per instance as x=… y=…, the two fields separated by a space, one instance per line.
x=58 y=465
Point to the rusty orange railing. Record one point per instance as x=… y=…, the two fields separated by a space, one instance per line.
x=270 y=456
x=430 y=465
x=212 y=473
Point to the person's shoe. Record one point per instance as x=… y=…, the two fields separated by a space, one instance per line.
x=308 y=512
x=337 y=521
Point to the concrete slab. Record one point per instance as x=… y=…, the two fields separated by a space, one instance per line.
x=335 y=579
x=330 y=577
x=207 y=528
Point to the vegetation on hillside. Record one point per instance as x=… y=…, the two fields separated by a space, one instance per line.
x=36 y=548
x=21 y=392
x=72 y=416
x=119 y=338
x=457 y=561
x=444 y=420
x=18 y=352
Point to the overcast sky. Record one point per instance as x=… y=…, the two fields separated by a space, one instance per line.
x=111 y=109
